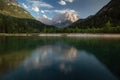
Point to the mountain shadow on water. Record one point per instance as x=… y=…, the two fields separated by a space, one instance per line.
x=106 y=50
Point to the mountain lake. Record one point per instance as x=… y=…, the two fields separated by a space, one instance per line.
x=59 y=58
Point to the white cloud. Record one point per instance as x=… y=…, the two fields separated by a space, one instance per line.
x=24 y=5
x=46 y=20
x=69 y=1
x=40 y=4
x=60 y=11
x=63 y=11
x=62 y=2
x=36 y=9
x=36 y=5
x=58 y=20
x=45 y=16
x=42 y=11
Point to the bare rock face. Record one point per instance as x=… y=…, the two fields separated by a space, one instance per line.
x=65 y=19
x=71 y=16
x=61 y=20
x=13 y=2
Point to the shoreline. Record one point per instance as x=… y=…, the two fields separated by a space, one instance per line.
x=62 y=35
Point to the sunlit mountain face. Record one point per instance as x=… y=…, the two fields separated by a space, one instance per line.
x=62 y=13
x=61 y=20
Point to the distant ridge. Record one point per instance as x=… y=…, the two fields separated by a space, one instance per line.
x=14 y=19
x=110 y=12
x=60 y=20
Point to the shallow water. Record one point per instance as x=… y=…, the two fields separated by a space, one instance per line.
x=40 y=58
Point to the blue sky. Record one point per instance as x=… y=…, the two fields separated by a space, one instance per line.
x=50 y=8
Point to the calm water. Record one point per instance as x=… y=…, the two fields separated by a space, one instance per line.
x=35 y=58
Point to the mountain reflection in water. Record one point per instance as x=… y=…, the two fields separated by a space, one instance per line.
x=60 y=62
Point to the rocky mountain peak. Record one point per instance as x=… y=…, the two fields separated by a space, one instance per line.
x=71 y=16
x=63 y=20
x=60 y=20
x=13 y=2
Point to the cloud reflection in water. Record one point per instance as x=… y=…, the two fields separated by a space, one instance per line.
x=48 y=55
x=60 y=62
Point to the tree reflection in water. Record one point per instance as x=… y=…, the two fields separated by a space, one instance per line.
x=60 y=62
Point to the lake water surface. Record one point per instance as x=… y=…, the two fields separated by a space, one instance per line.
x=40 y=58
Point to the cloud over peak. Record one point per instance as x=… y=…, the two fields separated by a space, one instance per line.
x=59 y=11
x=60 y=20
x=44 y=19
